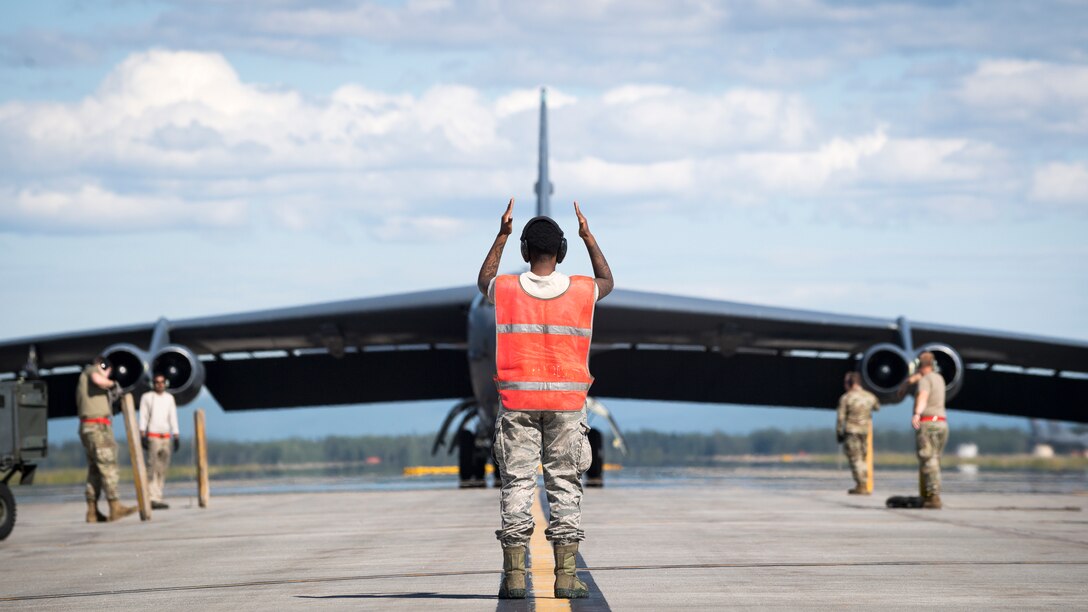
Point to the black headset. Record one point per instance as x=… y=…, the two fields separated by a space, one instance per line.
x=562 y=241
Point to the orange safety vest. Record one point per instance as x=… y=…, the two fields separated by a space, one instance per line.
x=542 y=345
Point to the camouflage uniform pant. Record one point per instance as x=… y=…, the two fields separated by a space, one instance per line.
x=557 y=440
x=855 y=446
x=930 y=440
x=101 y=451
x=158 y=461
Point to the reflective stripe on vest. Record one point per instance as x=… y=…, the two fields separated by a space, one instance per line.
x=509 y=385
x=561 y=330
x=542 y=345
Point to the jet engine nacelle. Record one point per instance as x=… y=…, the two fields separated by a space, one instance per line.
x=183 y=371
x=883 y=367
x=129 y=365
x=949 y=364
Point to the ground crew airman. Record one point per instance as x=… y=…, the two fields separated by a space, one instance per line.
x=159 y=436
x=95 y=394
x=856 y=408
x=544 y=323
x=931 y=425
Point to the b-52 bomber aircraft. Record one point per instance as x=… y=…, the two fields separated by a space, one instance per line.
x=440 y=344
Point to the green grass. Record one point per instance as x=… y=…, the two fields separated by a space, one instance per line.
x=891 y=459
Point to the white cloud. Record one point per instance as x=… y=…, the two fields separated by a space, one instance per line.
x=1061 y=183
x=174 y=130
x=667 y=119
x=90 y=207
x=598 y=176
x=1045 y=94
x=429 y=229
x=811 y=170
x=190 y=111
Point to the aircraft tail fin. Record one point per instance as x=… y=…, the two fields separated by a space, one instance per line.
x=543 y=187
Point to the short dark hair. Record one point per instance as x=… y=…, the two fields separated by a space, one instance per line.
x=851 y=379
x=103 y=362
x=926 y=360
x=543 y=237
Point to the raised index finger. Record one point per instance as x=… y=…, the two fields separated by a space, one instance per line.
x=577 y=210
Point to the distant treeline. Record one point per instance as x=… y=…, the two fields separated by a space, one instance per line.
x=384 y=452
x=653 y=448
x=645 y=448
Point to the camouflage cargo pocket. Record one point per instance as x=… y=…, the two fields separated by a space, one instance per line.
x=105 y=455
x=583 y=453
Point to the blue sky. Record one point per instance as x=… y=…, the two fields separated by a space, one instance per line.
x=181 y=159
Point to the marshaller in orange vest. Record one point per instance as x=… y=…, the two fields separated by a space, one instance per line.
x=544 y=326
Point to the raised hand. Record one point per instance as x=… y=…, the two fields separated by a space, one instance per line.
x=490 y=266
x=583 y=225
x=601 y=270
x=506 y=227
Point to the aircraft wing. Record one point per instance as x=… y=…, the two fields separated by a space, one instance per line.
x=664 y=347
x=413 y=347
x=645 y=346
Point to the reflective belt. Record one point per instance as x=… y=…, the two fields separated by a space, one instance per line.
x=933 y=418
x=524 y=385
x=158 y=435
x=101 y=421
x=533 y=328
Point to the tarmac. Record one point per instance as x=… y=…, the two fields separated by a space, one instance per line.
x=724 y=543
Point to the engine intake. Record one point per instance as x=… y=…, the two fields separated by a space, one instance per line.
x=883 y=367
x=949 y=364
x=183 y=370
x=129 y=365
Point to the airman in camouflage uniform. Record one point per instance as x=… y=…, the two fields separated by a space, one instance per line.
x=931 y=425
x=855 y=415
x=554 y=436
x=95 y=393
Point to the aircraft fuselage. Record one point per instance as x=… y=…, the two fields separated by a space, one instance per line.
x=481 y=360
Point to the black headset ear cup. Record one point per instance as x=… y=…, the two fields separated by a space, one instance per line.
x=562 y=251
x=525 y=250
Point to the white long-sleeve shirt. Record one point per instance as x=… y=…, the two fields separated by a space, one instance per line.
x=158 y=414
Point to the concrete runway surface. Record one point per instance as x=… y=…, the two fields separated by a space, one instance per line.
x=734 y=544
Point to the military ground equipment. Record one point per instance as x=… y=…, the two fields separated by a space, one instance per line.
x=24 y=408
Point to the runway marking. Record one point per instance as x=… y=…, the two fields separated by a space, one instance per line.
x=542 y=571
x=611 y=568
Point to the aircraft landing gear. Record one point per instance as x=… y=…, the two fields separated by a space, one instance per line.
x=595 y=473
x=471 y=461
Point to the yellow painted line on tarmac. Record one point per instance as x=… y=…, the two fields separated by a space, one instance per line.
x=543 y=568
x=439 y=470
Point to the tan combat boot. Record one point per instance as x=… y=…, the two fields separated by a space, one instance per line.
x=93 y=515
x=932 y=502
x=118 y=512
x=513 y=573
x=859 y=490
x=567 y=585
